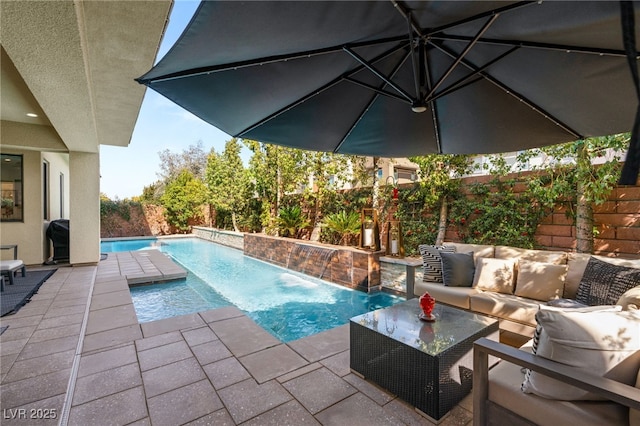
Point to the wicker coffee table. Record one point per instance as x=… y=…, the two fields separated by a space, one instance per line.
x=427 y=364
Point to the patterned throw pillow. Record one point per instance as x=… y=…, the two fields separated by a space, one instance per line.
x=603 y=283
x=432 y=262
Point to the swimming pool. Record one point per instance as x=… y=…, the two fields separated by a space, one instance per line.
x=288 y=304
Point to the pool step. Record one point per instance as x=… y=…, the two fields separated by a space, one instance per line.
x=143 y=267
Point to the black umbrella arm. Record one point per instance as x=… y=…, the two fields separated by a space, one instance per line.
x=403 y=78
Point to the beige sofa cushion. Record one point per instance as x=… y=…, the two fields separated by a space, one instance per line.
x=504 y=390
x=555 y=257
x=630 y=299
x=603 y=341
x=454 y=296
x=577 y=263
x=495 y=275
x=540 y=281
x=507 y=306
x=479 y=250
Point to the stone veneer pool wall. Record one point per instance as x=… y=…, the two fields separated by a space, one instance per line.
x=347 y=266
x=220 y=236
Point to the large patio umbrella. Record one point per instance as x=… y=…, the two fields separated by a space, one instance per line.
x=395 y=79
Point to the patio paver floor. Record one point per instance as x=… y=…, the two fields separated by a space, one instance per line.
x=80 y=342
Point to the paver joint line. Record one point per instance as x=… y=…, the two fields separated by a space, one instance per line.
x=66 y=405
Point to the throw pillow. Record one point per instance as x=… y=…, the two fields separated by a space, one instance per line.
x=495 y=275
x=557 y=303
x=602 y=340
x=603 y=283
x=630 y=299
x=540 y=281
x=432 y=263
x=457 y=269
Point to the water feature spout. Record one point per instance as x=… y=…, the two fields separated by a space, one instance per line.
x=309 y=259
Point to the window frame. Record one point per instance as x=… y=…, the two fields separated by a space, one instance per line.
x=17 y=194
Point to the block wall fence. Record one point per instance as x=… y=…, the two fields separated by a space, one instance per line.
x=617 y=221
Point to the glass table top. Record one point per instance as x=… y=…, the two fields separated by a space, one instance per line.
x=401 y=322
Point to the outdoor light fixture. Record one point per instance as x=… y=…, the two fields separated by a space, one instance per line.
x=418 y=106
x=369 y=229
x=394 y=241
x=30 y=114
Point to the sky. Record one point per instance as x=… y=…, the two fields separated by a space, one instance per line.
x=161 y=125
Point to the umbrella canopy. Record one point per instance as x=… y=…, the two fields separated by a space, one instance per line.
x=395 y=79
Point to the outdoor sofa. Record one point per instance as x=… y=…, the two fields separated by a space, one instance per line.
x=592 y=342
x=509 y=283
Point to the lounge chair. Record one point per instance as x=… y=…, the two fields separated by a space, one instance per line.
x=8 y=268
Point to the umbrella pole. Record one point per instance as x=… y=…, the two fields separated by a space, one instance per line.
x=629 y=175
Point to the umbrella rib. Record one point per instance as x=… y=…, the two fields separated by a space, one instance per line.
x=193 y=72
x=327 y=86
x=377 y=90
x=377 y=73
x=463 y=82
x=534 y=45
x=512 y=92
x=499 y=10
x=462 y=54
x=375 y=96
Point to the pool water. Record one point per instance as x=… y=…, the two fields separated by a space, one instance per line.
x=288 y=304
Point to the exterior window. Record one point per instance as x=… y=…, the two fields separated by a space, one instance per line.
x=12 y=196
x=403 y=173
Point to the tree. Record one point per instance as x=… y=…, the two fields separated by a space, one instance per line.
x=151 y=193
x=227 y=180
x=273 y=171
x=583 y=173
x=440 y=179
x=329 y=171
x=193 y=159
x=182 y=199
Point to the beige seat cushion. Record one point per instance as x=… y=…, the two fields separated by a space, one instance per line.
x=540 y=281
x=504 y=390
x=508 y=306
x=454 y=296
x=555 y=257
x=495 y=275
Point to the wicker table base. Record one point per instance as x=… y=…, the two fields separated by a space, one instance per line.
x=427 y=364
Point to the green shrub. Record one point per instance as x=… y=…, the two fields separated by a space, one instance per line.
x=343 y=226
